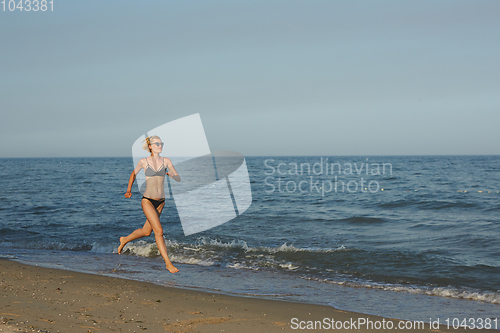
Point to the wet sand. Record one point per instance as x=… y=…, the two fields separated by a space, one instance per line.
x=37 y=299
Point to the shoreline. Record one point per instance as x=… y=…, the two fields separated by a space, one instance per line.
x=38 y=299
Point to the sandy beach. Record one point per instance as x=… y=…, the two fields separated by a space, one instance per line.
x=36 y=299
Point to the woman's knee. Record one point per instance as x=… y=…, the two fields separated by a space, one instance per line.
x=158 y=232
x=146 y=232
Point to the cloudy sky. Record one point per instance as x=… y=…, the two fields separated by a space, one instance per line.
x=267 y=77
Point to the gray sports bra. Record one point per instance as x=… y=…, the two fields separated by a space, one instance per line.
x=150 y=172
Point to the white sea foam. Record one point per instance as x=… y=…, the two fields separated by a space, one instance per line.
x=242 y=266
x=291 y=248
x=142 y=249
x=289 y=266
x=191 y=261
x=487 y=297
x=215 y=242
x=282 y=248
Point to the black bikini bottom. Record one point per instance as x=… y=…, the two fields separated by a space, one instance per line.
x=155 y=202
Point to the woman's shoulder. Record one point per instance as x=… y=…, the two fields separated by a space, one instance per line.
x=142 y=162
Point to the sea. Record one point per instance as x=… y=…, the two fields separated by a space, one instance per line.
x=407 y=237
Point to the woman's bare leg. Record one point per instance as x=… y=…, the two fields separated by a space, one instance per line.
x=138 y=233
x=154 y=220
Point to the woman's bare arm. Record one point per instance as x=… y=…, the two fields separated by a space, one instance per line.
x=172 y=173
x=132 y=177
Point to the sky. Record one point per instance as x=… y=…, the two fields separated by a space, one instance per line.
x=270 y=77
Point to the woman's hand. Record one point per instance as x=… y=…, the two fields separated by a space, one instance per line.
x=176 y=177
x=172 y=173
x=128 y=195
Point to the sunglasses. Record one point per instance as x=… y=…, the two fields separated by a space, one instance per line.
x=158 y=144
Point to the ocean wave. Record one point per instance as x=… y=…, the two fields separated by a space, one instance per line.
x=208 y=246
x=234 y=254
x=363 y=220
x=487 y=297
x=428 y=204
x=59 y=246
x=8 y=231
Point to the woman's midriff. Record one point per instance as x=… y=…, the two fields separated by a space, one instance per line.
x=154 y=187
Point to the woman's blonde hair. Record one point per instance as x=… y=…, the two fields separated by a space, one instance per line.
x=147 y=142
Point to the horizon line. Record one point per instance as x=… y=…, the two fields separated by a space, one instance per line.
x=409 y=155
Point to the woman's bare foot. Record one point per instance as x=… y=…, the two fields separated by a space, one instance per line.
x=171 y=268
x=122 y=244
